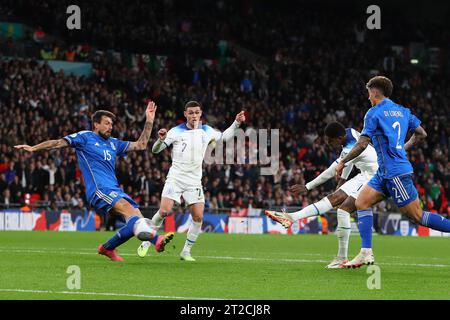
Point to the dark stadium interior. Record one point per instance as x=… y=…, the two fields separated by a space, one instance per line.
x=293 y=66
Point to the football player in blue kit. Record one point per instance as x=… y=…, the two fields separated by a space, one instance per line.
x=386 y=125
x=96 y=152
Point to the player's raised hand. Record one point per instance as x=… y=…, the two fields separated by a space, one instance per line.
x=151 y=110
x=298 y=189
x=340 y=166
x=24 y=147
x=240 y=117
x=162 y=134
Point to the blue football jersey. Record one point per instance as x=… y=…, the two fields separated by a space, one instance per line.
x=97 y=159
x=387 y=124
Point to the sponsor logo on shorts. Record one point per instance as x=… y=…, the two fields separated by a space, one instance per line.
x=113 y=194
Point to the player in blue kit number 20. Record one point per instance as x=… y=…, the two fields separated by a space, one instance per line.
x=96 y=153
x=387 y=124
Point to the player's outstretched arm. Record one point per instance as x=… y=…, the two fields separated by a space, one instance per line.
x=418 y=136
x=141 y=143
x=357 y=149
x=46 y=145
x=229 y=132
x=322 y=178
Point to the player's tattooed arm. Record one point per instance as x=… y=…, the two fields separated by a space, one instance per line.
x=418 y=136
x=46 y=145
x=357 y=149
x=141 y=143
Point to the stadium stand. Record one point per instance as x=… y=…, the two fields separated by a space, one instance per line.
x=289 y=72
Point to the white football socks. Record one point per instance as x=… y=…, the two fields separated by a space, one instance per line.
x=314 y=209
x=343 y=231
x=194 y=230
x=157 y=220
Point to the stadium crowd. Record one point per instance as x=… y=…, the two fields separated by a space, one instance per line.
x=310 y=73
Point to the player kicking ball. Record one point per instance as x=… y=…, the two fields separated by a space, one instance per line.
x=386 y=125
x=189 y=141
x=96 y=153
x=344 y=197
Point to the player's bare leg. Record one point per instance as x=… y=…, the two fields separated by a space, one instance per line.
x=364 y=203
x=157 y=220
x=343 y=231
x=195 y=228
x=432 y=220
x=315 y=209
x=413 y=210
x=164 y=209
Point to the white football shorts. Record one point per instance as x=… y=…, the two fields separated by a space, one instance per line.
x=175 y=190
x=354 y=186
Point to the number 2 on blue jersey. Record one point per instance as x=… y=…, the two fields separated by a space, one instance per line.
x=397 y=124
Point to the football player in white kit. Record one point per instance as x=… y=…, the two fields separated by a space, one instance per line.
x=190 y=141
x=344 y=196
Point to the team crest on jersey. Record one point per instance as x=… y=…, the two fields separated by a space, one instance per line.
x=113 y=194
x=113 y=146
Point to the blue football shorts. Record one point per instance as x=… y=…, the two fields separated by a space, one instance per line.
x=401 y=189
x=104 y=199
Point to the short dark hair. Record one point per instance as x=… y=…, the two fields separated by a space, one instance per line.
x=381 y=83
x=335 y=130
x=97 y=116
x=191 y=104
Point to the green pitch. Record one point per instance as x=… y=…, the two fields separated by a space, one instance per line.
x=33 y=265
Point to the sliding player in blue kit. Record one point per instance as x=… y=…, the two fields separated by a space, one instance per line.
x=386 y=125
x=96 y=153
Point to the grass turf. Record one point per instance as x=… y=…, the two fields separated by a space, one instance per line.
x=33 y=265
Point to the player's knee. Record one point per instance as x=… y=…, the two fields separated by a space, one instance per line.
x=337 y=198
x=416 y=217
x=163 y=212
x=197 y=218
x=361 y=204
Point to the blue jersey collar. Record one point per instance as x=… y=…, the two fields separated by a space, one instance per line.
x=103 y=139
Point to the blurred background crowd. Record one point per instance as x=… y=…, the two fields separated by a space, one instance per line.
x=293 y=67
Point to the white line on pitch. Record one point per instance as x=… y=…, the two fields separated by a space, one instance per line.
x=108 y=294
x=236 y=258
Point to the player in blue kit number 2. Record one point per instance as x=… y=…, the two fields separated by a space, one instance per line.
x=96 y=153
x=387 y=124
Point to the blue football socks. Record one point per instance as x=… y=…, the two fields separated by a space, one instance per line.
x=123 y=235
x=365 y=223
x=435 y=221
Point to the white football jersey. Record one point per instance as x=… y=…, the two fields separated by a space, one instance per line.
x=189 y=147
x=366 y=162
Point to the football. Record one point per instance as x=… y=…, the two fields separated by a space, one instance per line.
x=144 y=230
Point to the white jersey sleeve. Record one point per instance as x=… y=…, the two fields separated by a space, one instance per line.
x=323 y=177
x=213 y=134
x=366 y=162
x=170 y=138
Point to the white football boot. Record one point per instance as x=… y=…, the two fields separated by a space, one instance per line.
x=363 y=258
x=337 y=263
x=280 y=217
